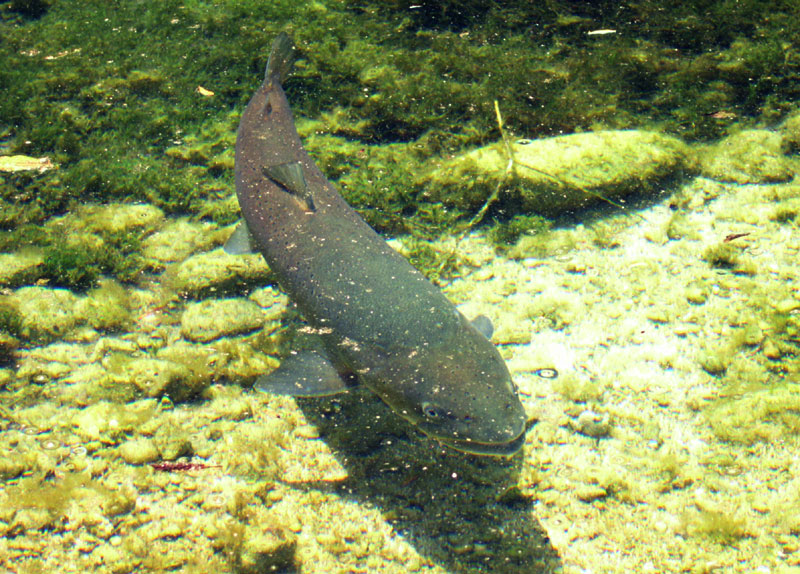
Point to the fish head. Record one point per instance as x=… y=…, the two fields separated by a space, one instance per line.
x=460 y=393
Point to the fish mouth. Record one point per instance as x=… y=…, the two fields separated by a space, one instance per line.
x=468 y=446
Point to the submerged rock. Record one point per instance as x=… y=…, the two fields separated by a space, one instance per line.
x=216 y=272
x=157 y=377
x=176 y=241
x=47 y=314
x=750 y=156
x=208 y=320
x=557 y=175
x=114 y=218
x=790 y=133
x=20 y=268
x=138 y=451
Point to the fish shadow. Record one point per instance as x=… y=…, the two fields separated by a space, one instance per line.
x=463 y=512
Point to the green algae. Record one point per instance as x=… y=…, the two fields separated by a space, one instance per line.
x=506 y=233
x=412 y=78
x=95 y=240
x=376 y=186
x=108 y=307
x=436 y=264
x=718 y=526
x=10 y=319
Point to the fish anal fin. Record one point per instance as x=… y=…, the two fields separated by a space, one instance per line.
x=304 y=374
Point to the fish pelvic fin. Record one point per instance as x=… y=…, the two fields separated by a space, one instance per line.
x=304 y=374
x=240 y=241
x=281 y=59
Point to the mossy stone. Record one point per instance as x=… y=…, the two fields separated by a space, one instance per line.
x=215 y=318
x=8 y=345
x=267 y=552
x=215 y=272
x=176 y=241
x=790 y=133
x=47 y=314
x=11 y=467
x=20 y=268
x=138 y=451
x=116 y=218
x=713 y=362
x=173 y=442
x=750 y=156
x=106 y=422
x=157 y=377
x=108 y=307
x=554 y=176
x=696 y=294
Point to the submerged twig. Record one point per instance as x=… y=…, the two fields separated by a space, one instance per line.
x=496 y=193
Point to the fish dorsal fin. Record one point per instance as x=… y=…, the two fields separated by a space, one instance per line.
x=290 y=177
x=240 y=242
x=484 y=325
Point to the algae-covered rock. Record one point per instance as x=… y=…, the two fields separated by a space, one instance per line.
x=790 y=133
x=267 y=551
x=10 y=318
x=173 y=441
x=107 y=422
x=215 y=318
x=227 y=359
x=273 y=303
x=107 y=308
x=216 y=272
x=157 y=377
x=47 y=314
x=20 y=268
x=11 y=467
x=52 y=361
x=138 y=451
x=8 y=344
x=557 y=175
x=176 y=241
x=120 y=217
x=113 y=219
x=750 y=156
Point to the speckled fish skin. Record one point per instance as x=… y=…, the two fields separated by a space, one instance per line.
x=379 y=317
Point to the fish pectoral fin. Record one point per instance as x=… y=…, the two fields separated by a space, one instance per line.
x=240 y=242
x=484 y=326
x=305 y=374
x=290 y=177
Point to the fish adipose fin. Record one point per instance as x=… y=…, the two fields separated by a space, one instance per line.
x=240 y=242
x=281 y=59
x=290 y=177
x=305 y=374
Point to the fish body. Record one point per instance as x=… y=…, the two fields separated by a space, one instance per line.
x=382 y=322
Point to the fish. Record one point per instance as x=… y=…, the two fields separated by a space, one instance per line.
x=380 y=321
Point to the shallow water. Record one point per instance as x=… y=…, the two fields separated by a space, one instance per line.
x=130 y=439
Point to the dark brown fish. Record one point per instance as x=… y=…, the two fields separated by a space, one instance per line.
x=382 y=322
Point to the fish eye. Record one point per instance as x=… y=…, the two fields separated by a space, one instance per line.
x=430 y=410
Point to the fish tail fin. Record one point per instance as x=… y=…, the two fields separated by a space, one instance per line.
x=281 y=59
